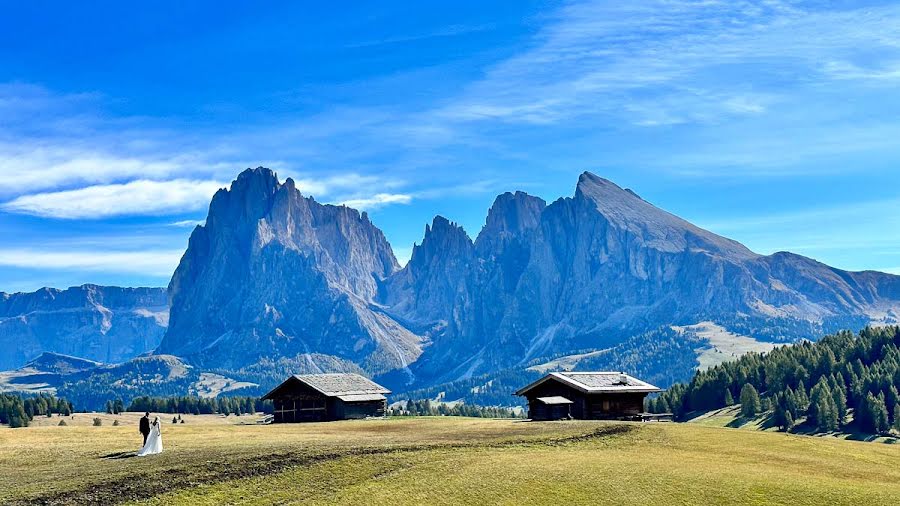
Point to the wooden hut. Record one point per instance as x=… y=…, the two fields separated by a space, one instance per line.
x=586 y=396
x=325 y=397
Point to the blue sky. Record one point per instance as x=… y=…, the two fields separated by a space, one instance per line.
x=774 y=123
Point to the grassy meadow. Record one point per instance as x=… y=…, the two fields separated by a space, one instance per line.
x=216 y=460
x=731 y=417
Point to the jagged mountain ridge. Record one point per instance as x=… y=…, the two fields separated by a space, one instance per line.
x=590 y=270
x=275 y=274
x=100 y=323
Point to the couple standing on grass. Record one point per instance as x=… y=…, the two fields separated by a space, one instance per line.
x=152 y=436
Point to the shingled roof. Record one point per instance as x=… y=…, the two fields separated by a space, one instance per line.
x=337 y=384
x=596 y=382
x=348 y=386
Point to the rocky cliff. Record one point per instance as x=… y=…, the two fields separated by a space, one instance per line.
x=106 y=324
x=276 y=282
x=588 y=271
x=275 y=274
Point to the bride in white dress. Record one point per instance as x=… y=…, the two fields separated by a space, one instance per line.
x=154 y=440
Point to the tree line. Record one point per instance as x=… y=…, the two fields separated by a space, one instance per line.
x=425 y=407
x=18 y=411
x=201 y=405
x=842 y=382
x=661 y=357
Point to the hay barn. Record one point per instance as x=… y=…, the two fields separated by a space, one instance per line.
x=586 y=396
x=326 y=397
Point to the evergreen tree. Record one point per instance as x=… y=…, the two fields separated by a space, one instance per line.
x=822 y=411
x=663 y=406
x=879 y=415
x=802 y=398
x=729 y=400
x=840 y=404
x=897 y=418
x=109 y=407
x=779 y=415
x=750 y=405
x=789 y=421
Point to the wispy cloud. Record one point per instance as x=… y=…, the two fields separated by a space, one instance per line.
x=670 y=62
x=147 y=262
x=378 y=200
x=140 y=197
x=187 y=223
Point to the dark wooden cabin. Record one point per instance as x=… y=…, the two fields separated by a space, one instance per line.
x=586 y=396
x=325 y=397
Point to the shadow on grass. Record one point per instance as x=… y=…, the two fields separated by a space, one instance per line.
x=860 y=436
x=119 y=455
x=739 y=422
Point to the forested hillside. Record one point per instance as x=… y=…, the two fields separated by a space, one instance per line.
x=661 y=357
x=843 y=382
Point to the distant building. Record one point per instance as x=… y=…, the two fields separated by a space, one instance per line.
x=586 y=396
x=324 y=397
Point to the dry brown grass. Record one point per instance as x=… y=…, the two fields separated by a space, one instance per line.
x=443 y=461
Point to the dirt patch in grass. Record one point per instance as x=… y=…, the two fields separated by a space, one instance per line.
x=225 y=468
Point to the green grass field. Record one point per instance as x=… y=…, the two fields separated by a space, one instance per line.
x=211 y=460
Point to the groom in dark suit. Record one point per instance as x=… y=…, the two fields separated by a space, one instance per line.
x=145 y=426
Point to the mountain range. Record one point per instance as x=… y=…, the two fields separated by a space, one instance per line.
x=274 y=277
x=101 y=323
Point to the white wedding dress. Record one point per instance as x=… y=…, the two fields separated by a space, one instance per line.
x=154 y=441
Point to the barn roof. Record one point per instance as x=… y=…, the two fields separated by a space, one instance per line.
x=596 y=382
x=337 y=385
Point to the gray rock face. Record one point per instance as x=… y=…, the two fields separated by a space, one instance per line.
x=434 y=286
x=106 y=324
x=273 y=274
x=587 y=271
x=276 y=274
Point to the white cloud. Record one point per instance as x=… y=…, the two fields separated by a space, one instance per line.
x=377 y=200
x=187 y=223
x=668 y=62
x=148 y=262
x=140 y=197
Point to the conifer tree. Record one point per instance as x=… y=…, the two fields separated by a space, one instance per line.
x=879 y=414
x=840 y=404
x=789 y=421
x=822 y=411
x=750 y=405
x=729 y=400
x=802 y=398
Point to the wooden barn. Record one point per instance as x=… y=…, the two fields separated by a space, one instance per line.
x=325 y=397
x=586 y=396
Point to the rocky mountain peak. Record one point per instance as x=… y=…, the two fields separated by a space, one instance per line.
x=442 y=238
x=274 y=273
x=511 y=215
x=659 y=229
